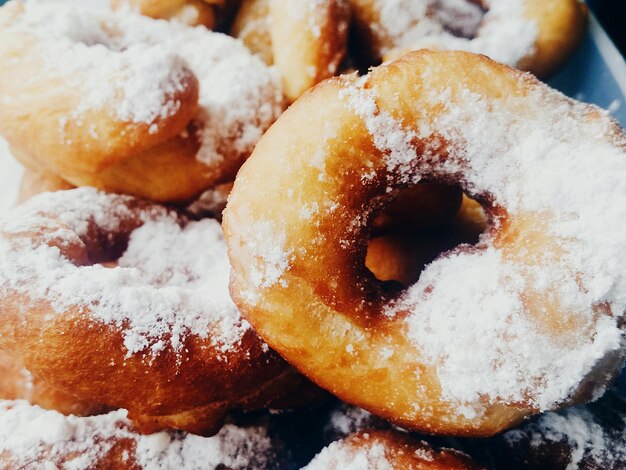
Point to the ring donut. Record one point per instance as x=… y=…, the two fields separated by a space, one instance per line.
x=533 y=35
x=538 y=300
x=125 y=304
x=305 y=39
x=391 y=450
x=31 y=437
x=129 y=104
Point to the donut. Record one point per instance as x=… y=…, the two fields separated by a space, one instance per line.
x=125 y=304
x=35 y=182
x=388 y=450
x=305 y=39
x=533 y=35
x=190 y=12
x=129 y=104
x=538 y=301
x=31 y=437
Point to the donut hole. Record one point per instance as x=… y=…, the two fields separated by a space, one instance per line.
x=401 y=248
x=106 y=248
x=389 y=30
x=163 y=253
x=461 y=18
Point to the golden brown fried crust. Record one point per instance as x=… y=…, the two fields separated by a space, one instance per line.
x=89 y=359
x=252 y=26
x=306 y=46
x=400 y=451
x=17 y=383
x=561 y=26
x=306 y=54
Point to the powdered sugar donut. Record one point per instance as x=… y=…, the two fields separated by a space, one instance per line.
x=533 y=35
x=528 y=319
x=31 y=437
x=126 y=304
x=388 y=450
x=129 y=104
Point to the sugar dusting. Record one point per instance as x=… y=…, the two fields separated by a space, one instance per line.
x=347 y=419
x=266 y=244
x=578 y=433
x=30 y=436
x=240 y=97
x=299 y=10
x=503 y=33
x=136 y=81
x=157 y=301
x=269 y=244
x=544 y=157
x=133 y=64
x=345 y=455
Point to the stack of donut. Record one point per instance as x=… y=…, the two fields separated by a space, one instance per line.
x=437 y=242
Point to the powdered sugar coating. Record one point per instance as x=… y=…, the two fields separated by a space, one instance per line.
x=590 y=436
x=343 y=455
x=306 y=9
x=240 y=97
x=503 y=33
x=171 y=282
x=268 y=243
x=83 y=48
x=31 y=437
x=576 y=427
x=560 y=167
x=132 y=63
x=348 y=419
